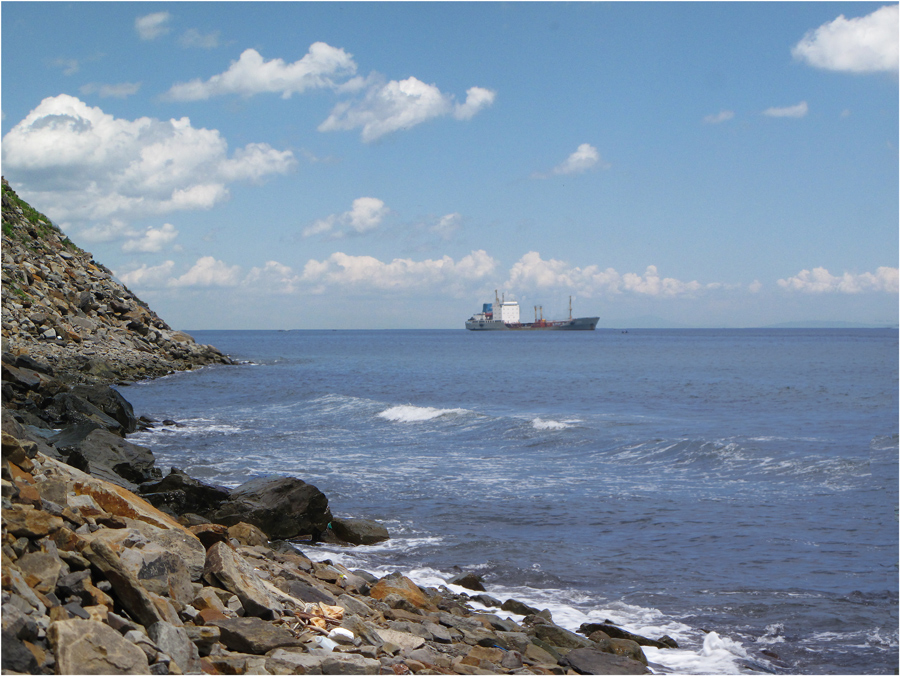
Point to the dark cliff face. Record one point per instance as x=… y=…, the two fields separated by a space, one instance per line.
x=65 y=309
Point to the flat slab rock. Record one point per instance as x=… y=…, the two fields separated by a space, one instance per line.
x=590 y=661
x=253 y=635
x=91 y=647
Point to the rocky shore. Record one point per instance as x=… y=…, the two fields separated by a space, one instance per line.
x=110 y=566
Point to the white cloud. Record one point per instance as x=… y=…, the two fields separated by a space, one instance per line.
x=861 y=45
x=477 y=98
x=819 y=280
x=153 y=239
x=87 y=166
x=145 y=276
x=583 y=159
x=718 y=118
x=273 y=277
x=401 y=274
x=208 y=271
x=755 y=286
x=116 y=91
x=69 y=66
x=447 y=225
x=531 y=272
x=251 y=75
x=194 y=38
x=365 y=215
x=152 y=26
x=800 y=110
x=402 y=105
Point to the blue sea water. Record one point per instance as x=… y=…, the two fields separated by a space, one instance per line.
x=735 y=489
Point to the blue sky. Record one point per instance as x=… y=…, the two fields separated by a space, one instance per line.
x=377 y=165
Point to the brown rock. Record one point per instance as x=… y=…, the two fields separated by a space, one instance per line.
x=247 y=534
x=210 y=533
x=238 y=577
x=26 y=521
x=90 y=647
x=41 y=570
x=133 y=597
x=402 y=586
x=253 y=635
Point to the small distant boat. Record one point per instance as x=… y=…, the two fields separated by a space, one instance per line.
x=503 y=315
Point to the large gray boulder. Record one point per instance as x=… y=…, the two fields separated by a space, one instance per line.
x=281 y=507
x=591 y=661
x=101 y=453
x=360 y=531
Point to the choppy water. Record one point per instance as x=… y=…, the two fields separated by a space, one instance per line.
x=743 y=483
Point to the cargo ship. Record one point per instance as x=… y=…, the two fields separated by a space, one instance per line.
x=503 y=315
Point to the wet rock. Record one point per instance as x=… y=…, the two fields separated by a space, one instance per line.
x=359 y=531
x=591 y=661
x=622 y=646
x=253 y=635
x=469 y=581
x=90 y=647
x=282 y=507
x=182 y=494
x=110 y=402
x=517 y=607
x=559 y=637
x=614 y=631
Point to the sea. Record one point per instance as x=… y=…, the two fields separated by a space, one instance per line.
x=736 y=490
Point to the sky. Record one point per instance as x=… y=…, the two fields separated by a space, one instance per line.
x=299 y=165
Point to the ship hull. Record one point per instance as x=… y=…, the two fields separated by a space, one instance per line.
x=579 y=324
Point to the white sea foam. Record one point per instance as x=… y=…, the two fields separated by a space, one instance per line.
x=541 y=424
x=408 y=413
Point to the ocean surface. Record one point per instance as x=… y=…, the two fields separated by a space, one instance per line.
x=734 y=489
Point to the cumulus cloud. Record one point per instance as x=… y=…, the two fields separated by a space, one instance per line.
x=718 y=118
x=447 y=225
x=584 y=158
x=208 y=271
x=321 y=67
x=366 y=272
x=365 y=215
x=403 y=104
x=531 y=272
x=116 y=91
x=194 y=38
x=87 y=166
x=861 y=45
x=273 y=277
x=147 y=276
x=819 y=280
x=800 y=110
x=153 y=239
x=152 y=26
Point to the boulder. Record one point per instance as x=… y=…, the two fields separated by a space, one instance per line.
x=131 y=594
x=282 y=507
x=160 y=570
x=253 y=635
x=359 y=531
x=591 y=661
x=623 y=647
x=247 y=534
x=559 y=637
x=396 y=583
x=237 y=576
x=613 y=631
x=110 y=402
x=91 y=647
x=181 y=494
x=469 y=581
x=67 y=408
x=99 y=452
x=175 y=642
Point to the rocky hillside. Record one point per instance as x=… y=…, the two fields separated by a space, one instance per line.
x=64 y=308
